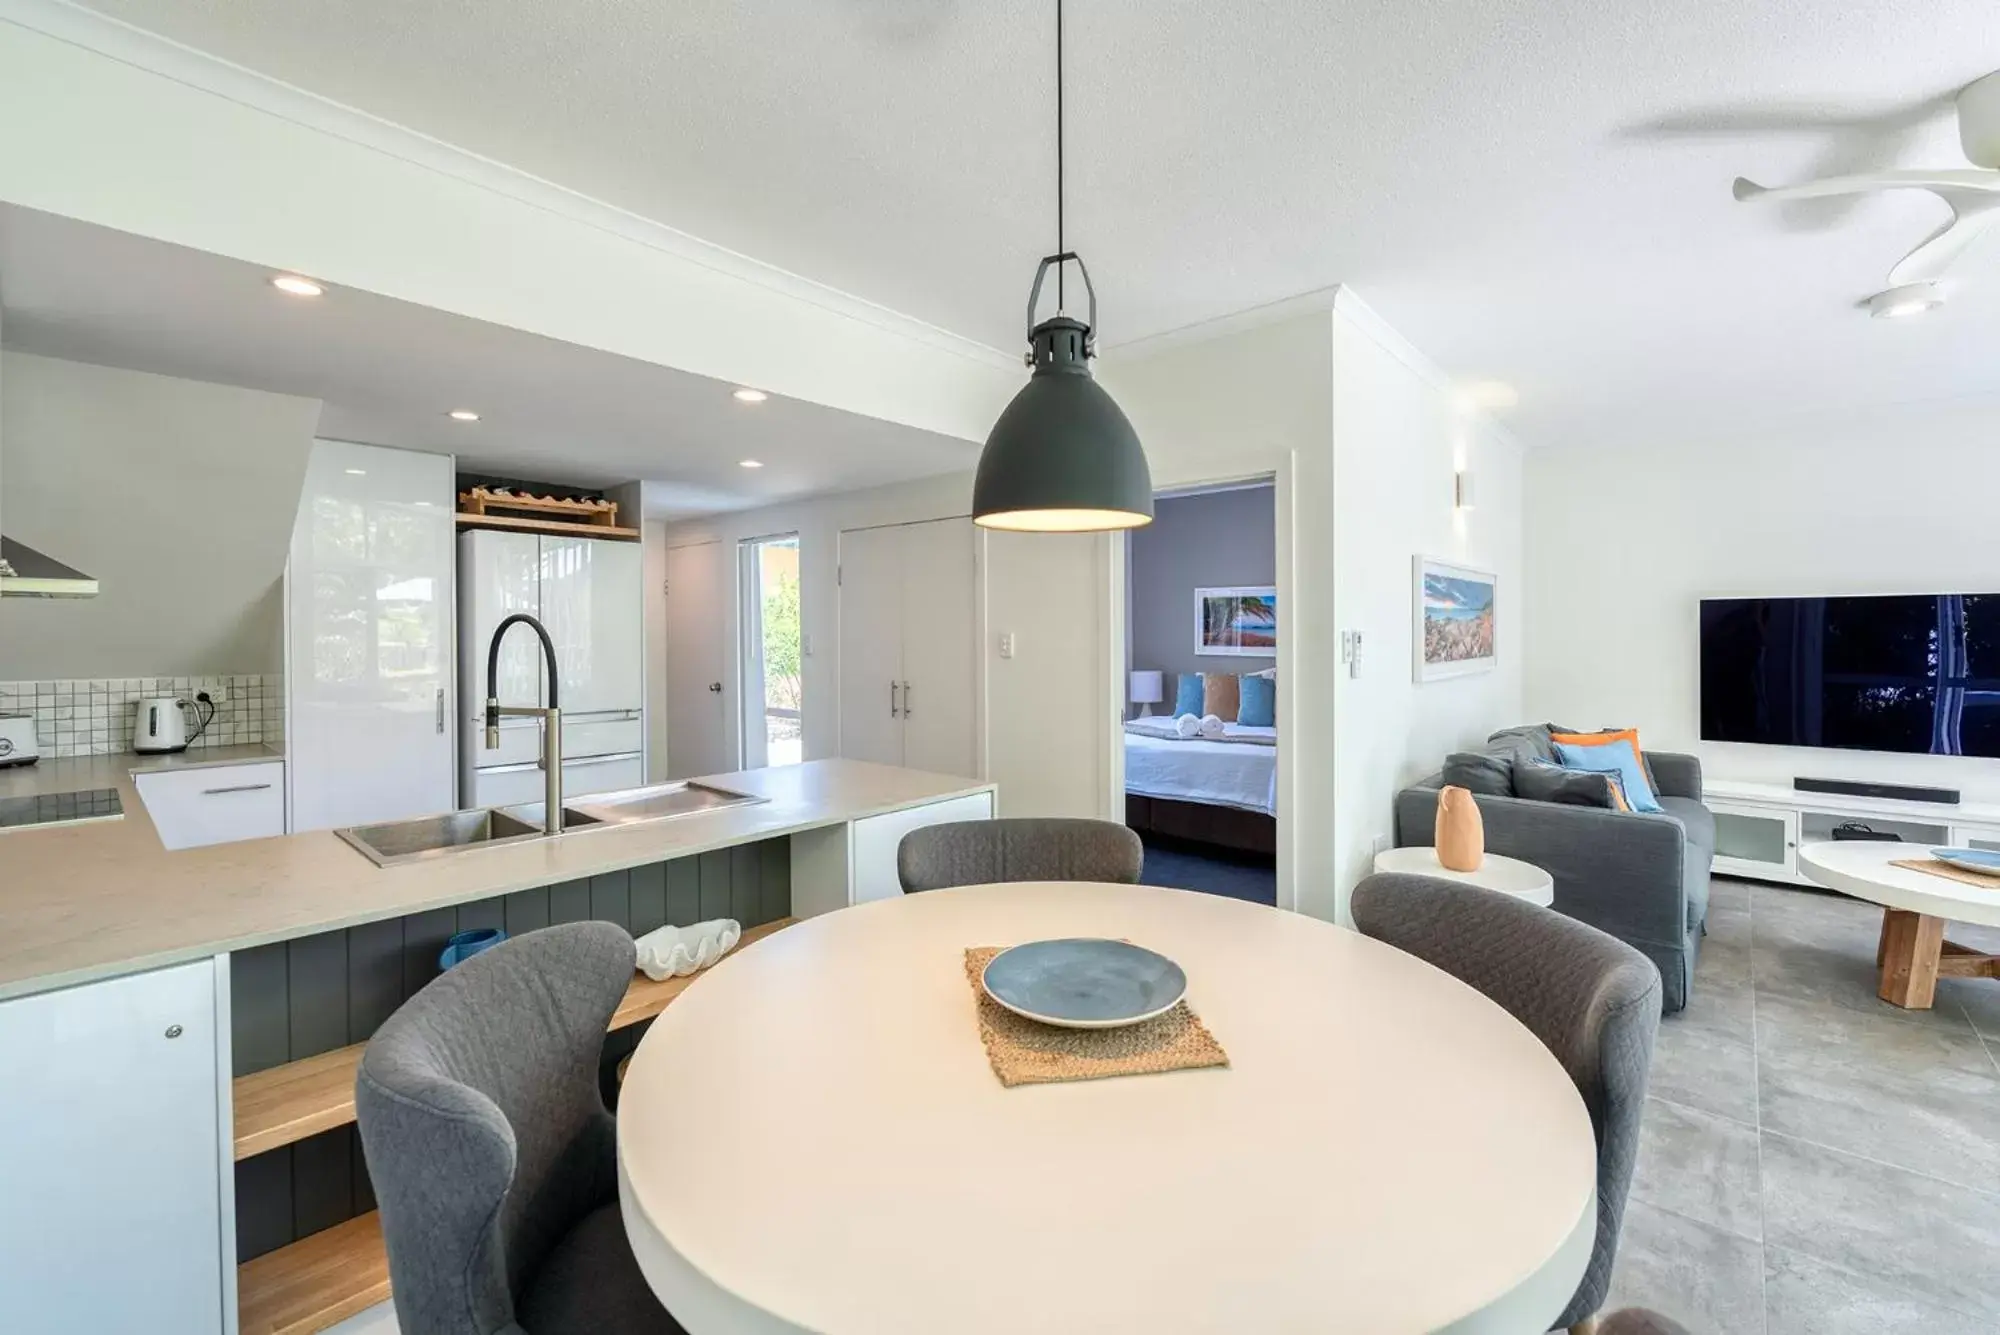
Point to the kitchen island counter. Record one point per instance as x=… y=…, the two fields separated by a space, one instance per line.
x=86 y=902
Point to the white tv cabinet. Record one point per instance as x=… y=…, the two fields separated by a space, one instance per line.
x=1760 y=826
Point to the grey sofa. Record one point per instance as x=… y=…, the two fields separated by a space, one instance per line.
x=1641 y=877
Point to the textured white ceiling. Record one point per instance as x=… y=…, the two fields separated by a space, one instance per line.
x=1533 y=190
x=389 y=372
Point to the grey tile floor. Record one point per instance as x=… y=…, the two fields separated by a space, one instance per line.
x=1814 y=1160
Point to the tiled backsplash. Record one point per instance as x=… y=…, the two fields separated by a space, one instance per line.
x=94 y=717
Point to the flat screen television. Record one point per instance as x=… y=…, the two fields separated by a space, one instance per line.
x=1912 y=673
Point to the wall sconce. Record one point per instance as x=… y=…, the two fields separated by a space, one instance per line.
x=1462 y=489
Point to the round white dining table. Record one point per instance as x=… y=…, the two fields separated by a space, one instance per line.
x=811 y=1139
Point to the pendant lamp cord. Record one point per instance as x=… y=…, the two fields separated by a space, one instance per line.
x=1061 y=249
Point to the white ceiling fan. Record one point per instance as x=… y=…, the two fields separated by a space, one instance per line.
x=1973 y=194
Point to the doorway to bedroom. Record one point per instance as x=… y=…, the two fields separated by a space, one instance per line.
x=1201 y=737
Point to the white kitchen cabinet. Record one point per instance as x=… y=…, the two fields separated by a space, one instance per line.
x=215 y=804
x=586 y=592
x=369 y=662
x=836 y=866
x=908 y=650
x=509 y=785
x=113 y=1117
x=499 y=574
x=590 y=604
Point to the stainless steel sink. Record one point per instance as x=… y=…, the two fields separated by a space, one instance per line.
x=660 y=801
x=395 y=842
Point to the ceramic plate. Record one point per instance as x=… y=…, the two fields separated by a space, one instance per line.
x=1972 y=859
x=1084 y=982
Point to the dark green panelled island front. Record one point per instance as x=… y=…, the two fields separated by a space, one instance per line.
x=313 y=994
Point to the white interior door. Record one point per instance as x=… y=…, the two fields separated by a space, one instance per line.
x=698 y=692
x=940 y=587
x=590 y=604
x=871 y=644
x=372 y=673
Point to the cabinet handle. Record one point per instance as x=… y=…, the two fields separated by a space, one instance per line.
x=440 y=711
x=174 y=1031
x=236 y=788
x=906 y=700
x=892 y=700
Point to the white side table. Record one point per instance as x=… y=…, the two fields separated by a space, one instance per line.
x=1509 y=876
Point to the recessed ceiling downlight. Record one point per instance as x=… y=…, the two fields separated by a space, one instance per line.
x=463 y=415
x=1490 y=395
x=750 y=395
x=296 y=286
x=1906 y=302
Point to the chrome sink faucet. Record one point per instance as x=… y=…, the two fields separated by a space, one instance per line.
x=552 y=816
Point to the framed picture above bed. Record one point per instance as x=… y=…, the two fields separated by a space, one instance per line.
x=1454 y=620
x=1236 y=623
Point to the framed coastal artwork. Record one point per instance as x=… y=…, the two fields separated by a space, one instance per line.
x=1239 y=623
x=1454 y=620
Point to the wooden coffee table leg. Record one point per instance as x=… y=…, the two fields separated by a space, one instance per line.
x=1911 y=945
x=1882 y=943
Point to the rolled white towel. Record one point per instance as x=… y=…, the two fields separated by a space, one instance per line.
x=1187 y=725
x=1211 y=726
x=675 y=952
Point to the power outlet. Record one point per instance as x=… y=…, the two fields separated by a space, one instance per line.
x=1007 y=645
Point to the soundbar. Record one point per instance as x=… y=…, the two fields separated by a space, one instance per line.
x=1901 y=792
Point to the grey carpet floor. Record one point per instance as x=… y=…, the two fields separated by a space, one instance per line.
x=1218 y=872
x=1813 y=1160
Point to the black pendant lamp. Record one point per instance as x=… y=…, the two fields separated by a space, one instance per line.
x=1062 y=458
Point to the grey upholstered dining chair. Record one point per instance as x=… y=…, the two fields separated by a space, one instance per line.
x=491 y=1153
x=1592 y=999
x=975 y=852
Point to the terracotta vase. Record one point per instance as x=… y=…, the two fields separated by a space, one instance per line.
x=1460 y=835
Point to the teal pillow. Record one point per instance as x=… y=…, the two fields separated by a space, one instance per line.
x=1612 y=758
x=1187 y=695
x=1258 y=705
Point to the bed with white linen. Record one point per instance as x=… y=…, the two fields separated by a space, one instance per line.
x=1212 y=790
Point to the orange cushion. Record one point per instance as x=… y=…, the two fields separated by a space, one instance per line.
x=1221 y=695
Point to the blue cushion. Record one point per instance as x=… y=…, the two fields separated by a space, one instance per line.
x=1613 y=758
x=1258 y=705
x=1187 y=695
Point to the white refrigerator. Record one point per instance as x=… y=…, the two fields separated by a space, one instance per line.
x=587 y=592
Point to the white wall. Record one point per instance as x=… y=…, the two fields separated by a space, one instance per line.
x=1053 y=593
x=175 y=495
x=1624 y=543
x=1399 y=434
x=1245 y=398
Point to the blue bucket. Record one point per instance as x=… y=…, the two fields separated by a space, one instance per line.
x=464 y=945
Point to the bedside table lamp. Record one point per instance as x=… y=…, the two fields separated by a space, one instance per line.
x=1148 y=689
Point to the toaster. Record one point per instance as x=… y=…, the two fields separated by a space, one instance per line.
x=17 y=740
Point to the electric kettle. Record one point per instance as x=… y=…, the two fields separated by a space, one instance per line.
x=158 y=724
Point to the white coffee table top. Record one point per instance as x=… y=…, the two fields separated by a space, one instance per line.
x=1861 y=868
x=811 y=1140
x=1509 y=876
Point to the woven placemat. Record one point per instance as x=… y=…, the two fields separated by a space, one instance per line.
x=1024 y=1052
x=1950 y=873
